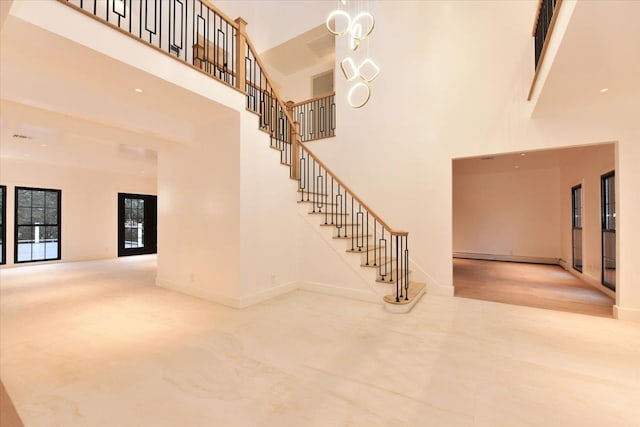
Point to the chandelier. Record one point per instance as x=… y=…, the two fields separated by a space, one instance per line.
x=356 y=26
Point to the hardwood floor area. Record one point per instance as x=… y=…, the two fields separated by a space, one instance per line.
x=533 y=285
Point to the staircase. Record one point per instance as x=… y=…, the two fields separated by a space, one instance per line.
x=212 y=43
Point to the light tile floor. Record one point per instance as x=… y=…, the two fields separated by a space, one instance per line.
x=97 y=344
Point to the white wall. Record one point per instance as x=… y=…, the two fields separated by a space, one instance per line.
x=268 y=233
x=89 y=204
x=297 y=87
x=514 y=214
x=227 y=215
x=199 y=214
x=586 y=169
x=457 y=88
x=325 y=266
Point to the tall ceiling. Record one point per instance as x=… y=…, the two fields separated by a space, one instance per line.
x=314 y=47
x=274 y=22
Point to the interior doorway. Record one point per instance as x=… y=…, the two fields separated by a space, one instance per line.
x=137 y=224
x=537 y=228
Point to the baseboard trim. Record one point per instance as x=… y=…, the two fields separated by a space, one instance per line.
x=199 y=293
x=267 y=294
x=590 y=280
x=629 y=314
x=356 y=294
x=508 y=258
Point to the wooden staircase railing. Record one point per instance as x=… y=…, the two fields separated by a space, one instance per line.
x=317 y=117
x=198 y=34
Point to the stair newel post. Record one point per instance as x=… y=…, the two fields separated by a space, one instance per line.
x=290 y=104
x=295 y=143
x=241 y=54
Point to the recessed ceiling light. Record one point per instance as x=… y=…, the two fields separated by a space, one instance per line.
x=138 y=90
x=523 y=154
x=43 y=145
x=604 y=89
x=516 y=166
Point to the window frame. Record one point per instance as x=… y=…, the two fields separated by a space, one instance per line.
x=16 y=225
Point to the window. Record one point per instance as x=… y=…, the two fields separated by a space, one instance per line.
x=576 y=226
x=3 y=221
x=136 y=224
x=608 y=192
x=37 y=227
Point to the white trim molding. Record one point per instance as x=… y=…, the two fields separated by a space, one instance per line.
x=623 y=313
x=509 y=258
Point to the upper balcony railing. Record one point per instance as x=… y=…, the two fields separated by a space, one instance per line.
x=543 y=26
x=191 y=30
x=196 y=32
x=317 y=117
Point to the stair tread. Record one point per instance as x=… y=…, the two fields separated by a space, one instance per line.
x=300 y=190
x=379 y=263
x=334 y=214
x=321 y=203
x=351 y=236
x=390 y=278
x=363 y=250
x=392 y=270
x=415 y=288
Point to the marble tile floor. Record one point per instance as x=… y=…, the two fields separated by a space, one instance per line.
x=97 y=344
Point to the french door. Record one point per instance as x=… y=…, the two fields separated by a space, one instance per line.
x=137 y=224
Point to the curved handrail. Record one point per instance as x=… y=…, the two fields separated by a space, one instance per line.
x=266 y=77
x=354 y=195
x=221 y=13
x=297 y=140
